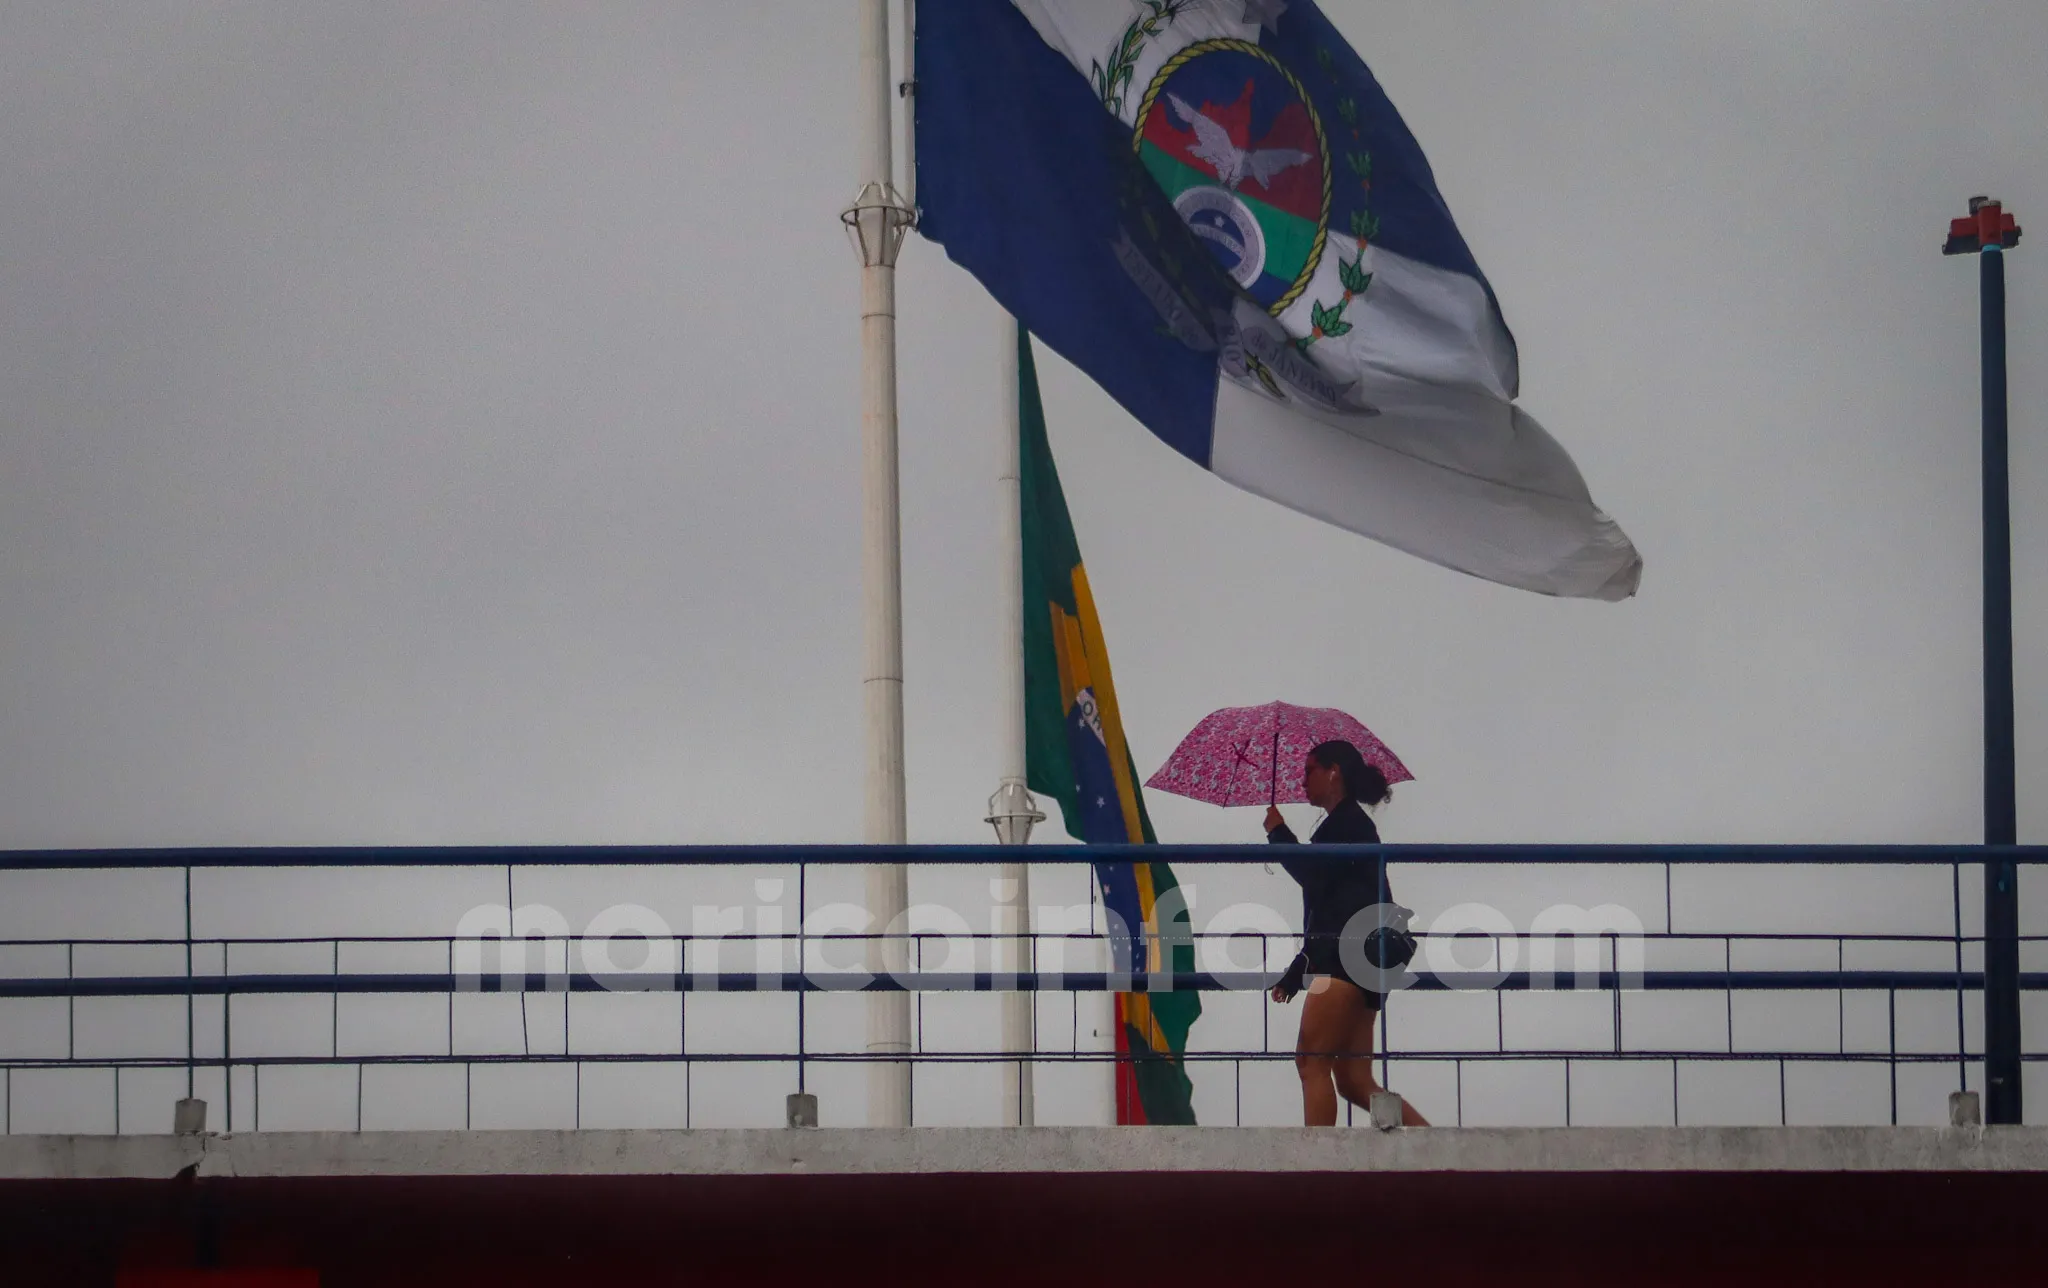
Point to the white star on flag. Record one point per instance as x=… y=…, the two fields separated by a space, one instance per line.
x=1266 y=13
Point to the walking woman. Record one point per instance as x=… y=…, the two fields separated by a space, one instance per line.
x=1334 y=1051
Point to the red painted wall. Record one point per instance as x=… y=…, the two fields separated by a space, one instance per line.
x=1150 y=1229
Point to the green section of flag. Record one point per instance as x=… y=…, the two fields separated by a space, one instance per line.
x=1050 y=553
x=1055 y=599
x=1290 y=239
x=1163 y=1086
x=1051 y=557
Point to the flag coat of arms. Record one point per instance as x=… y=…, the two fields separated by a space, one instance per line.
x=1075 y=753
x=1211 y=207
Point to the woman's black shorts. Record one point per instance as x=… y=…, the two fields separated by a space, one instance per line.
x=1324 y=959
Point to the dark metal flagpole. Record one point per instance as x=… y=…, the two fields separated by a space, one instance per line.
x=1988 y=233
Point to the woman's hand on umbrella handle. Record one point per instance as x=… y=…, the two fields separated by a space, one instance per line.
x=1282 y=993
x=1273 y=818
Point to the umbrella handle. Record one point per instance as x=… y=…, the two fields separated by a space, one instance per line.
x=1276 y=762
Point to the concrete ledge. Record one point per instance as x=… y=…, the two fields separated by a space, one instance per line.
x=1045 y=1150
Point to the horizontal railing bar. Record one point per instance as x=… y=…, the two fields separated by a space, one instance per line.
x=996 y=936
x=980 y=982
x=861 y=855
x=1576 y=1056
x=623 y=982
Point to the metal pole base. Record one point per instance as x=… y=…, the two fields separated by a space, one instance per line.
x=1386 y=1110
x=189 y=1118
x=1964 y=1109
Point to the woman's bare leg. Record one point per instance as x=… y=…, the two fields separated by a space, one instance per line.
x=1327 y=1021
x=1353 y=1073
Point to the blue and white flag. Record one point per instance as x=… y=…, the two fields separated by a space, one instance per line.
x=1211 y=208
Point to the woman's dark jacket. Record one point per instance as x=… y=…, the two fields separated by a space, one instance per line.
x=1332 y=891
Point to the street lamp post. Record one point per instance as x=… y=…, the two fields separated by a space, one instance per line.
x=1988 y=232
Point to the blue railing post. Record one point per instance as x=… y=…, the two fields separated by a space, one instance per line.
x=803 y=966
x=1892 y=1046
x=227 y=1045
x=1962 y=1034
x=190 y=1038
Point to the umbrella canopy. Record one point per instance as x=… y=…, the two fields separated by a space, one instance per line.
x=1253 y=755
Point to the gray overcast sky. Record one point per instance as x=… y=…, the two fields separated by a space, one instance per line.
x=439 y=424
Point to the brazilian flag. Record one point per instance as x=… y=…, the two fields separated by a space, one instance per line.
x=1075 y=753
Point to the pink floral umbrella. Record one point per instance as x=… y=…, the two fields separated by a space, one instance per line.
x=1242 y=755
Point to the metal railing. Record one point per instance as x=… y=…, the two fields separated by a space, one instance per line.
x=1633 y=973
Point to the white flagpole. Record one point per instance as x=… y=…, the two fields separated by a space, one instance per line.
x=878 y=221
x=1012 y=811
